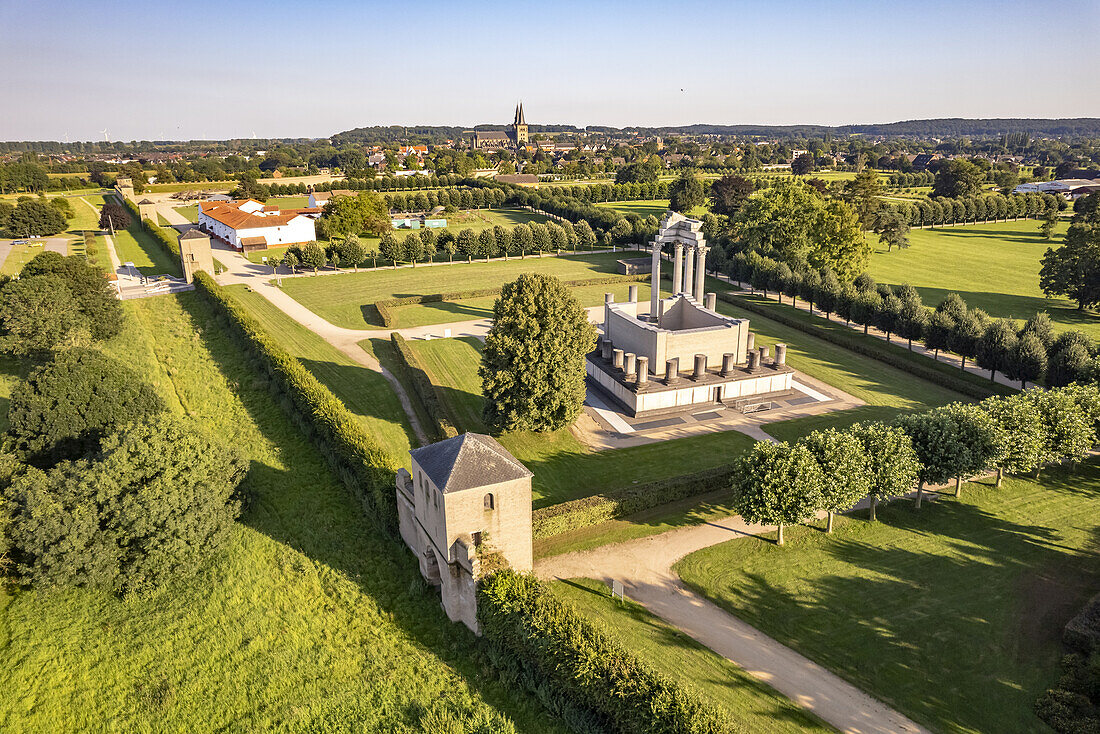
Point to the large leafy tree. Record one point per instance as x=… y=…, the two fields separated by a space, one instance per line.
x=64 y=408
x=1067 y=430
x=892 y=465
x=364 y=213
x=1073 y=269
x=113 y=216
x=39 y=315
x=35 y=217
x=958 y=178
x=845 y=478
x=1020 y=422
x=685 y=193
x=952 y=442
x=863 y=193
x=994 y=348
x=777 y=484
x=533 y=364
x=729 y=193
x=157 y=500
x=95 y=297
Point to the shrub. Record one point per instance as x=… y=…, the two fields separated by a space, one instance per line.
x=574 y=667
x=362 y=464
x=155 y=502
x=66 y=406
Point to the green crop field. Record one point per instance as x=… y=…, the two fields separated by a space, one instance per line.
x=345 y=299
x=994 y=267
x=748 y=704
x=565 y=468
x=366 y=393
x=953 y=614
x=311 y=618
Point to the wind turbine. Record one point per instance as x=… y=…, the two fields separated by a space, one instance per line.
x=105 y=138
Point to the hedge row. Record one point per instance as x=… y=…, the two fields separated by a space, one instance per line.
x=356 y=457
x=389 y=318
x=597 y=508
x=424 y=389
x=919 y=366
x=576 y=670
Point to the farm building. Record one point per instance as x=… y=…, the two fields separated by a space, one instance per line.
x=248 y=225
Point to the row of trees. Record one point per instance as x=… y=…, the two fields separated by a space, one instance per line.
x=465 y=198
x=35 y=216
x=831 y=470
x=909 y=180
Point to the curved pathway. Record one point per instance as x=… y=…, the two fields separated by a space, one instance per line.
x=644 y=567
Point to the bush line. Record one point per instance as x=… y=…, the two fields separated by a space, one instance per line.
x=576 y=670
x=356 y=456
x=424 y=389
x=597 y=508
x=953 y=379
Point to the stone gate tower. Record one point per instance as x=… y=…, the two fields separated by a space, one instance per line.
x=465 y=496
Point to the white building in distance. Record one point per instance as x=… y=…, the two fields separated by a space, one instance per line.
x=249 y=225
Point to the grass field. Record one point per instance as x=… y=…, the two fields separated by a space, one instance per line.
x=345 y=299
x=748 y=704
x=310 y=619
x=366 y=393
x=994 y=267
x=953 y=614
x=646 y=207
x=190 y=211
x=135 y=245
x=565 y=468
x=20 y=255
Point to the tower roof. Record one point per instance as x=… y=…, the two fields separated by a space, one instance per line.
x=468 y=461
x=519 y=115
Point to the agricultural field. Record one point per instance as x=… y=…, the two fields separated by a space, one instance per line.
x=749 y=704
x=345 y=299
x=994 y=267
x=952 y=614
x=311 y=613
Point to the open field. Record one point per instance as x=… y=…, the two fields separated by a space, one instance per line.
x=994 y=267
x=366 y=393
x=190 y=211
x=646 y=207
x=135 y=245
x=309 y=620
x=749 y=704
x=345 y=299
x=422 y=314
x=565 y=468
x=952 y=614
x=20 y=255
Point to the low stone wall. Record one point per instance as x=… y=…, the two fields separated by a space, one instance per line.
x=636 y=266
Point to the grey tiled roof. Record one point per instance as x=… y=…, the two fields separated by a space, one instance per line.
x=192 y=233
x=468 y=461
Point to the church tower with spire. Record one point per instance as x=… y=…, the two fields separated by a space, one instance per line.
x=519 y=127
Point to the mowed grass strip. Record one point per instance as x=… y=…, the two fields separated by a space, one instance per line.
x=953 y=614
x=309 y=620
x=994 y=267
x=748 y=704
x=366 y=393
x=564 y=467
x=646 y=207
x=345 y=299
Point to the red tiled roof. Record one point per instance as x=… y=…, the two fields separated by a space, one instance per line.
x=230 y=214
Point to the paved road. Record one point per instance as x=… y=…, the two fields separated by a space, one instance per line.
x=644 y=566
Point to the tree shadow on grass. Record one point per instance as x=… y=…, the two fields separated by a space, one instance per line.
x=306 y=508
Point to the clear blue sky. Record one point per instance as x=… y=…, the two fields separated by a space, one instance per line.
x=198 y=69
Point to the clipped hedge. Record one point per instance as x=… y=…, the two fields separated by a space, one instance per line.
x=424 y=389
x=869 y=346
x=579 y=672
x=389 y=318
x=597 y=508
x=356 y=456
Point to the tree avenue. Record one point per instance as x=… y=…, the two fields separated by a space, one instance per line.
x=777 y=484
x=533 y=364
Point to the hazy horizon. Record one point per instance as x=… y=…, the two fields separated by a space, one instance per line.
x=206 y=71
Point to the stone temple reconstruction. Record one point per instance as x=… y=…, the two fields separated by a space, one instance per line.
x=681 y=354
x=465 y=496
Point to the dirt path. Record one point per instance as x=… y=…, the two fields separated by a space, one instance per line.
x=644 y=566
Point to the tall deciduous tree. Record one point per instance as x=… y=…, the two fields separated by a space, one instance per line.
x=533 y=365
x=892 y=465
x=1067 y=431
x=1020 y=423
x=1027 y=362
x=685 y=193
x=777 y=484
x=995 y=346
x=729 y=193
x=844 y=467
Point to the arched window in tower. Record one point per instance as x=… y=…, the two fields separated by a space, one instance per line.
x=489 y=502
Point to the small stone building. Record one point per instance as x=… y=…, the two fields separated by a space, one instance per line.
x=147 y=210
x=195 y=253
x=464 y=497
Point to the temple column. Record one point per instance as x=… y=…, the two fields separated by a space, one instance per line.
x=689 y=270
x=655 y=281
x=677 y=268
x=700 y=271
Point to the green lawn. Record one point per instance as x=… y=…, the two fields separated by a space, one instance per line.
x=345 y=299
x=422 y=314
x=20 y=255
x=289 y=202
x=135 y=245
x=952 y=614
x=748 y=704
x=366 y=393
x=191 y=212
x=886 y=390
x=994 y=267
x=309 y=619
x=645 y=207
x=564 y=467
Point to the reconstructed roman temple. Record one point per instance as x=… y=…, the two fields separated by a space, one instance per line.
x=682 y=354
